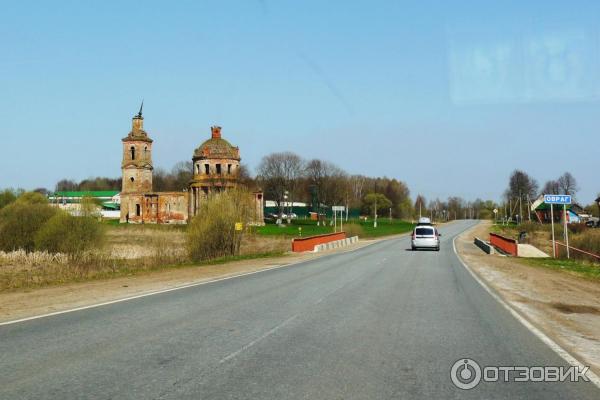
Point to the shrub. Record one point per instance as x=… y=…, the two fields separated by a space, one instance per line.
x=7 y=196
x=64 y=233
x=577 y=228
x=21 y=220
x=212 y=233
x=353 y=230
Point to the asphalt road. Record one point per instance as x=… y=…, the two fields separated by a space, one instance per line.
x=381 y=322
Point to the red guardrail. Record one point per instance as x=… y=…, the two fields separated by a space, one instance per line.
x=505 y=244
x=571 y=248
x=309 y=243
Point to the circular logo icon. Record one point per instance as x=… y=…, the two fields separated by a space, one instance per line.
x=465 y=374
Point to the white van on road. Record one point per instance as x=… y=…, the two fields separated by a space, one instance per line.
x=425 y=237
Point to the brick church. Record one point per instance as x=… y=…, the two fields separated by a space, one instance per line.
x=215 y=165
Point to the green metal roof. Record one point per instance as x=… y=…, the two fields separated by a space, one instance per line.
x=98 y=193
x=111 y=205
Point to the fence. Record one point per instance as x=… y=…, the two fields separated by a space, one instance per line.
x=579 y=253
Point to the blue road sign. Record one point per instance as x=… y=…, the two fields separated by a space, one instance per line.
x=557 y=199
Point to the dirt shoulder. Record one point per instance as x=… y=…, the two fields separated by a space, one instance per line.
x=566 y=307
x=25 y=303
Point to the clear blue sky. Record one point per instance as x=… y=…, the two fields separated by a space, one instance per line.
x=372 y=86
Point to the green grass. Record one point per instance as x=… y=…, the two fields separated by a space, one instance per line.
x=310 y=228
x=581 y=268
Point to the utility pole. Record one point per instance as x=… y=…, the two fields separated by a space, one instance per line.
x=375 y=219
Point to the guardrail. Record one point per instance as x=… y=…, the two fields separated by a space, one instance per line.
x=505 y=244
x=309 y=243
x=483 y=245
x=336 y=244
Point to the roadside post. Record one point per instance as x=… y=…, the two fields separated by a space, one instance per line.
x=341 y=210
x=495 y=216
x=563 y=200
x=565 y=229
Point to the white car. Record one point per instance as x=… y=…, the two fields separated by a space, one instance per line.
x=425 y=237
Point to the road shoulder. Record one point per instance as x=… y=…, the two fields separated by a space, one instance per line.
x=563 y=306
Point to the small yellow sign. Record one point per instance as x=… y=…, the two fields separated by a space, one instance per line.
x=239 y=226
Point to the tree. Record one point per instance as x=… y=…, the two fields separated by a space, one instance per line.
x=279 y=174
x=551 y=187
x=8 y=196
x=521 y=189
x=64 y=233
x=327 y=183
x=567 y=184
x=420 y=205
x=399 y=195
x=374 y=201
x=456 y=206
x=22 y=219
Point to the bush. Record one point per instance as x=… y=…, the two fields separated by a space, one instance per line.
x=353 y=230
x=64 y=233
x=212 y=233
x=21 y=220
x=7 y=196
x=577 y=228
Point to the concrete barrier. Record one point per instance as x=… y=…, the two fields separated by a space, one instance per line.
x=483 y=245
x=336 y=244
x=507 y=245
x=309 y=243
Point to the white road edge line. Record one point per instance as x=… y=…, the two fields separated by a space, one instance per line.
x=537 y=332
x=184 y=286
x=255 y=341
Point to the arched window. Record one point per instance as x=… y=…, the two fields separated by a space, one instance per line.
x=206 y=169
x=197 y=169
x=132 y=179
x=145 y=151
x=132 y=150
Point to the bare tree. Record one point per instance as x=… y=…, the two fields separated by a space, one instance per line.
x=568 y=184
x=420 y=205
x=551 y=187
x=279 y=173
x=327 y=183
x=521 y=189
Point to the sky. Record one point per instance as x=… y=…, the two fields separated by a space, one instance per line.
x=449 y=97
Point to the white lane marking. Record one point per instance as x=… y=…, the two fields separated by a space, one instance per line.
x=537 y=332
x=185 y=286
x=255 y=341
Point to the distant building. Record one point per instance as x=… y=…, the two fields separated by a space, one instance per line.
x=108 y=201
x=575 y=213
x=215 y=166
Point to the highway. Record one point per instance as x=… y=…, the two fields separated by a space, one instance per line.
x=380 y=322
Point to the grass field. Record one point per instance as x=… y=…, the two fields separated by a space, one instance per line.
x=303 y=227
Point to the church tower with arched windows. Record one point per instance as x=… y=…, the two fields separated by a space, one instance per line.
x=215 y=164
x=136 y=168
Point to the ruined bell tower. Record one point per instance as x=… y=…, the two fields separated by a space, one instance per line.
x=136 y=167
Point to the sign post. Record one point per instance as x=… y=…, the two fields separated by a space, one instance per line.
x=552 y=219
x=341 y=210
x=564 y=200
x=566 y=230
